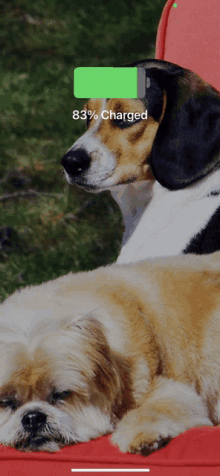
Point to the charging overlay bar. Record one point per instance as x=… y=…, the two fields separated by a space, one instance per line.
x=103 y=82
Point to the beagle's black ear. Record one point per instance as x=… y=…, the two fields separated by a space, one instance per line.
x=187 y=143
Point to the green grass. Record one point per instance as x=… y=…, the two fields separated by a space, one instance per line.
x=63 y=229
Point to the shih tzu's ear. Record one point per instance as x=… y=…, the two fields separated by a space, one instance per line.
x=90 y=332
x=187 y=143
x=87 y=326
x=106 y=383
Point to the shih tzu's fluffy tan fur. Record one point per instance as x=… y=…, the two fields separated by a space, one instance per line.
x=132 y=350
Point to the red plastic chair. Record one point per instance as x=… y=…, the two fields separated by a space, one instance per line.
x=189 y=35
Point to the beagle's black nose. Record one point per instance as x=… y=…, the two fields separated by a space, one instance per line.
x=75 y=161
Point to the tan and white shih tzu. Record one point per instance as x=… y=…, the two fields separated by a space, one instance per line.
x=132 y=350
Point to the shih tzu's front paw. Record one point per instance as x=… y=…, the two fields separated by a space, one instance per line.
x=132 y=437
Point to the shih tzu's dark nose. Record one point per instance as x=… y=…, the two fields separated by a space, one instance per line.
x=33 y=421
x=75 y=161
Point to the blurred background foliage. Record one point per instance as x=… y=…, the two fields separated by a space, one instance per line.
x=46 y=227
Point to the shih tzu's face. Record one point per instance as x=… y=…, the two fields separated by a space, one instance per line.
x=57 y=385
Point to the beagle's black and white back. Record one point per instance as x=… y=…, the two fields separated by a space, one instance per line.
x=175 y=153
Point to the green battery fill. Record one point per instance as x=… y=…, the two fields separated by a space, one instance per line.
x=103 y=82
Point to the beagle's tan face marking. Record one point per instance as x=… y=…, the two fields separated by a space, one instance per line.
x=117 y=155
x=130 y=146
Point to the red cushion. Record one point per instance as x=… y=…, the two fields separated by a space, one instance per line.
x=189 y=35
x=194 y=453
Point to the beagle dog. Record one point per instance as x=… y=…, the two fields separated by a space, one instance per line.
x=163 y=170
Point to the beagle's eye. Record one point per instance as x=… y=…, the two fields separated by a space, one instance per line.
x=127 y=121
x=60 y=396
x=88 y=119
x=8 y=403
